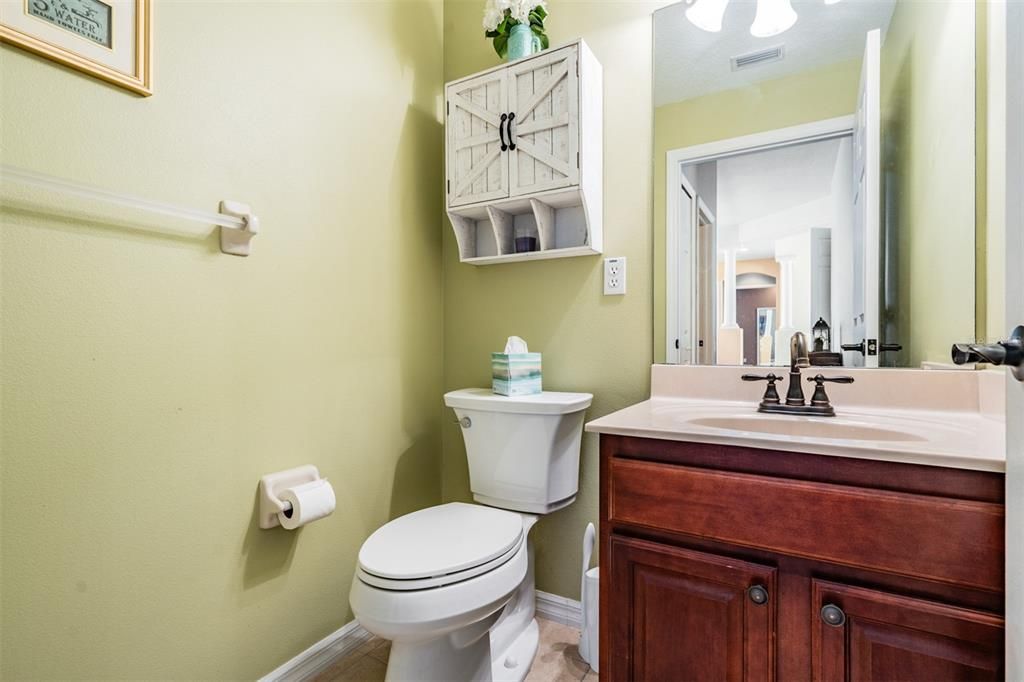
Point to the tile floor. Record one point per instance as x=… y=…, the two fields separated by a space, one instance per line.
x=558 y=659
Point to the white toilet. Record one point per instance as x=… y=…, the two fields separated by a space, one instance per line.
x=452 y=585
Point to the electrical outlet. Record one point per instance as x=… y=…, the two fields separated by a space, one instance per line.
x=614 y=276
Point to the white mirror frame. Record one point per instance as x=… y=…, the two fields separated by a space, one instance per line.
x=675 y=221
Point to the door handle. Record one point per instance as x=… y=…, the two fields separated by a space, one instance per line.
x=854 y=347
x=1009 y=353
x=511 y=144
x=870 y=347
x=501 y=132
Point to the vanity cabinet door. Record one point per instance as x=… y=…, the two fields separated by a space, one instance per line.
x=477 y=166
x=683 y=615
x=545 y=98
x=861 y=634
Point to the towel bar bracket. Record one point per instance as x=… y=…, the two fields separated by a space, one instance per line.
x=236 y=242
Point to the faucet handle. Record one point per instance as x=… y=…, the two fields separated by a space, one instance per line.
x=771 y=378
x=771 y=394
x=820 y=398
x=820 y=379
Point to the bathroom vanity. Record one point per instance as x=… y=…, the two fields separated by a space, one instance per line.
x=741 y=546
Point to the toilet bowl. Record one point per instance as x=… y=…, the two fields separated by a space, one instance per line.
x=445 y=625
x=452 y=586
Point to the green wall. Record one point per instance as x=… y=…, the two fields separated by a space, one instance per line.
x=590 y=342
x=793 y=100
x=148 y=380
x=929 y=184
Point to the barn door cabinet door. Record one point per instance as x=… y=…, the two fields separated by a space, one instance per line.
x=477 y=165
x=860 y=634
x=688 y=615
x=544 y=100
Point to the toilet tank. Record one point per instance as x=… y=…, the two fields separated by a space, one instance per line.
x=523 y=451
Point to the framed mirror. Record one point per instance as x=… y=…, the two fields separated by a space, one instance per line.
x=814 y=171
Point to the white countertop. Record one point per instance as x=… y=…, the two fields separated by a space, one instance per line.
x=965 y=432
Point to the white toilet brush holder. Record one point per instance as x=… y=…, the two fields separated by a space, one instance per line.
x=589 y=598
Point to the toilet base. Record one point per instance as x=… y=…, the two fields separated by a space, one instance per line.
x=515 y=662
x=498 y=648
x=448 y=659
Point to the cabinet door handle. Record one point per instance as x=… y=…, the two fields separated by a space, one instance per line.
x=501 y=132
x=833 y=615
x=511 y=144
x=758 y=594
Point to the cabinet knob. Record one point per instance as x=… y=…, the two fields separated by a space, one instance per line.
x=758 y=594
x=833 y=615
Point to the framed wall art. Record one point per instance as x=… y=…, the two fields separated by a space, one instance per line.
x=108 y=39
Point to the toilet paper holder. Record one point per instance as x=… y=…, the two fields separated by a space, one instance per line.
x=271 y=484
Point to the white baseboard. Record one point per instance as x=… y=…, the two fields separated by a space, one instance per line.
x=559 y=609
x=351 y=636
x=321 y=655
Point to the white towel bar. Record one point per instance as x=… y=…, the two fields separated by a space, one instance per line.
x=236 y=220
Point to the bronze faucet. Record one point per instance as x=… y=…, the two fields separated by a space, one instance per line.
x=795 y=403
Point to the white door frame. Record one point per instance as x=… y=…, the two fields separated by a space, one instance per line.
x=1006 y=102
x=675 y=179
x=680 y=213
x=702 y=209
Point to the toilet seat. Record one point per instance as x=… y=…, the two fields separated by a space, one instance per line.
x=439 y=546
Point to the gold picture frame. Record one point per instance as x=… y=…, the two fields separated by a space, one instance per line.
x=109 y=39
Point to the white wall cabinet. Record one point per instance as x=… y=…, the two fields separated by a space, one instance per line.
x=524 y=157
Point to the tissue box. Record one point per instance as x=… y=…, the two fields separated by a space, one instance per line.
x=515 y=373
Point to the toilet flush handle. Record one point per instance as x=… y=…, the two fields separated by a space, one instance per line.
x=465 y=422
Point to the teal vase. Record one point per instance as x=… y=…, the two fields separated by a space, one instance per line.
x=522 y=42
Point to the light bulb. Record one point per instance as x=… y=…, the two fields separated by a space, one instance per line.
x=707 y=14
x=773 y=17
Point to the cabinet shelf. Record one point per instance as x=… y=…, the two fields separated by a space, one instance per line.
x=486 y=233
x=569 y=252
x=524 y=158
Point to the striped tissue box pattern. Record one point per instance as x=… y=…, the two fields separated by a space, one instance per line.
x=515 y=373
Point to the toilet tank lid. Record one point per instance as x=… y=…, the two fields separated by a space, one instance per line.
x=548 y=402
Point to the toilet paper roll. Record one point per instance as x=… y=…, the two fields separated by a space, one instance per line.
x=310 y=501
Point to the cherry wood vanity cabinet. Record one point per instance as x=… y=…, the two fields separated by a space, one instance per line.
x=734 y=563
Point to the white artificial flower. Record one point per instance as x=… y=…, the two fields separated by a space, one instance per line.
x=494 y=12
x=492 y=17
x=521 y=10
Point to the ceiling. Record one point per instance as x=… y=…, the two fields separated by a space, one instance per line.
x=765 y=196
x=690 y=62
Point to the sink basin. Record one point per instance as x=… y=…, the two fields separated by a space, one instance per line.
x=817 y=428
